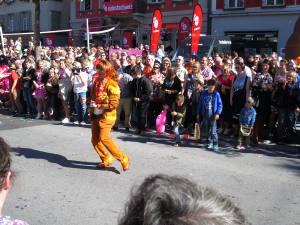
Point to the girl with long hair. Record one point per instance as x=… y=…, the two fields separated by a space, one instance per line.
x=105 y=96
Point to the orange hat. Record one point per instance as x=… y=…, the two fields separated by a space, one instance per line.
x=298 y=60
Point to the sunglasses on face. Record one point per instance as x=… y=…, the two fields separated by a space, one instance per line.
x=156 y=68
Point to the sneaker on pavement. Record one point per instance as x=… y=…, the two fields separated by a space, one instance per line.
x=83 y=123
x=209 y=146
x=76 y=122
x=38 y=116
x=65 y=120
x=216 y=148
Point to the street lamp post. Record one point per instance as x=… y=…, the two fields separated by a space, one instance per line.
x=2 y=40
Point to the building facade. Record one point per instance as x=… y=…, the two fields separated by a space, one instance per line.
x=133 y=19
x=258 y=26
x=17 y=16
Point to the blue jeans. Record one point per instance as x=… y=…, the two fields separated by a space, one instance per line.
x=28 y=98
x=177 y=131
x=81 y=106
x=210 y=126
x=286 y=122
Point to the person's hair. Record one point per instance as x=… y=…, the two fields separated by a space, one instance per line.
x=250 y=100
x=107 y=68
x=211 y=82
x=172 y=200
x=137 y=70
x=198 y=66
x=227 y=69
x=171 y=72
x=292 y=74
x=266 y=61
x=198 y=81
x=234 y=54
x=240 y=61
x=180 y=98
x=5 y=160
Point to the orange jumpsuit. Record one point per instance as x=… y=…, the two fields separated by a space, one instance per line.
x=102 y=124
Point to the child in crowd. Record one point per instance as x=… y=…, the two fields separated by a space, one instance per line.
x=210 y=108
x=247 y=120
x=195 y=99
x=178 y=115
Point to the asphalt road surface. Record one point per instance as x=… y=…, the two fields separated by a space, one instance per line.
x=56 y=182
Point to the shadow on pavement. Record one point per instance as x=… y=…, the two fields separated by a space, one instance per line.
x=292 y=165
x=60 y=160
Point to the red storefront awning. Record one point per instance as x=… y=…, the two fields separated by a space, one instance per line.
x=170 y=25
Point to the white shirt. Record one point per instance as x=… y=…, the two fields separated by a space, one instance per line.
x=78 y=86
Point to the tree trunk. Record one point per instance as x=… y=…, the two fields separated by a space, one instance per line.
x=37 y=28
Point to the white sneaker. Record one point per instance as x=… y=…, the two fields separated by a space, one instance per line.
x=226 y=131
x=76 y=122
x=38 y=116
x=83 y=123
x=65 y=120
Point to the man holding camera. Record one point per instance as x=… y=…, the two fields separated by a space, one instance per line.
x=80 y=87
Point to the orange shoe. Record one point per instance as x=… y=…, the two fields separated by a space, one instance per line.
x=106 y=163
x=125 y=163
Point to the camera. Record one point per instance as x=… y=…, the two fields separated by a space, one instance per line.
x=76 y=71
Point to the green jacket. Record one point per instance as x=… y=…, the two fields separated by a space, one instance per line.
x=180 y=117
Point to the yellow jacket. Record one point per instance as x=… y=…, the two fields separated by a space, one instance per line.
x=110 y=97
x=113 y=94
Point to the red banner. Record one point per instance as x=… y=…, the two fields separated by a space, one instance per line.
x=70 y=39
x=118 y=7
x=127 y=39
x=196 y=28
x=155 y=30
x=184 y=29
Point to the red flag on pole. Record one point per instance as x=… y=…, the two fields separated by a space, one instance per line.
x=184 y=29
x=127 y=39
x=196 y=28
x=155 y=31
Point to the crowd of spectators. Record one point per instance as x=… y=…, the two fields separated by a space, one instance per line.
x=56 y=86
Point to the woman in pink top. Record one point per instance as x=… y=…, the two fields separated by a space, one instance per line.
x=5 y=80
x=40 y=90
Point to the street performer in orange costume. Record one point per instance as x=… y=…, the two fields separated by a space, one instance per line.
x=105 y=97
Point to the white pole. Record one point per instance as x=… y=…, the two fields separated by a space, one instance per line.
x=88 y=35
x=2 y=40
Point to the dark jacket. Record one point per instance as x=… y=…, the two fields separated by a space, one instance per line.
x=175 y=86
x=142 y=88
x=180 y=117
x=286 y=97
x=28 y=73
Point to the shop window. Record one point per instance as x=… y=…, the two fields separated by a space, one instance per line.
x=233 y=4
x=25 y=21
x=10 y=23
x=55 y=20
x=85 y=5
x=273 y=2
